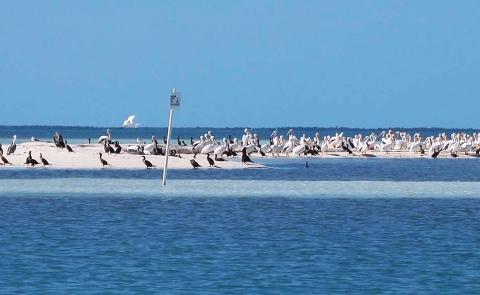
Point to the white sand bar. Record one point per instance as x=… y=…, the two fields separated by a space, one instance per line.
x=86 y=156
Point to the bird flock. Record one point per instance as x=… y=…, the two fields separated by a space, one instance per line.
x=386 y=142
x=278 y=145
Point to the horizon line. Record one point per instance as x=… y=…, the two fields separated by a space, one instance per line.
x=237 y=127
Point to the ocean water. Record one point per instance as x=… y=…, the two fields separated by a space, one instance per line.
x=341 y=226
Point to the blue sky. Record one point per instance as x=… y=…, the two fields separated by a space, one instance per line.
x=241 y=63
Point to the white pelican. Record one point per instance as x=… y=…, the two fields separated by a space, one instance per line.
x=401 y=144
x=324 y=147
x=135 y=149
x=416 y=144
x=317 y=140
x=363 y=146
x=246 y=137
x=274 y=134
x=218 y=152
x=209 y=147
x=265 y=148
x=148 y=148
x=13 y=146
x=298 y=150
x=388 y=144
x=336 y=141
x=199 y=144
x=277 y=146
x=288 y=147
x=105 y=137
x=129 y=122
x=235 y=146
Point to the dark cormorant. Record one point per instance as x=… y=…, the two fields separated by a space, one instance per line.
x=147 y=163
x=105 y=147
x=178 y=141
x=261 y=152
x=351 y=143
x=219 y=158
x=211 y=163
x=118 y=148
x=309 y=151
x=28 y=160
x=58 y=139
x=43 y=160
x=104 y=163
x=5 y=161
x=345 y=148
x=229 y=152
x=436 y=153
x=69 y=148
x=34 y=162
x=110 y=149
x=245 y=157
x=194 y=164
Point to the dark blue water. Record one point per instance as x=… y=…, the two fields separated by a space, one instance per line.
x=190 y=245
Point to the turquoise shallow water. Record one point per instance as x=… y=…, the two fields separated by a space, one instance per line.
x=350 y=226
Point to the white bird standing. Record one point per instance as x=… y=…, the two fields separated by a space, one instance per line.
x=209 y=147
x=324 y=147
x=13 y=146
x=148 y=148
x=105 y=137
x=299 y=149
x=363 y=146
x=221 y=149
x=235 y=146
x=277 y=146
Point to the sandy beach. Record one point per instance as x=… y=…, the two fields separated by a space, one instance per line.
x=86 y=156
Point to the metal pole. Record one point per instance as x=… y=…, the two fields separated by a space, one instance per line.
x=167 y=150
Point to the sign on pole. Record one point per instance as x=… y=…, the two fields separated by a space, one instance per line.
x=174 y=104
x=175 y=99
